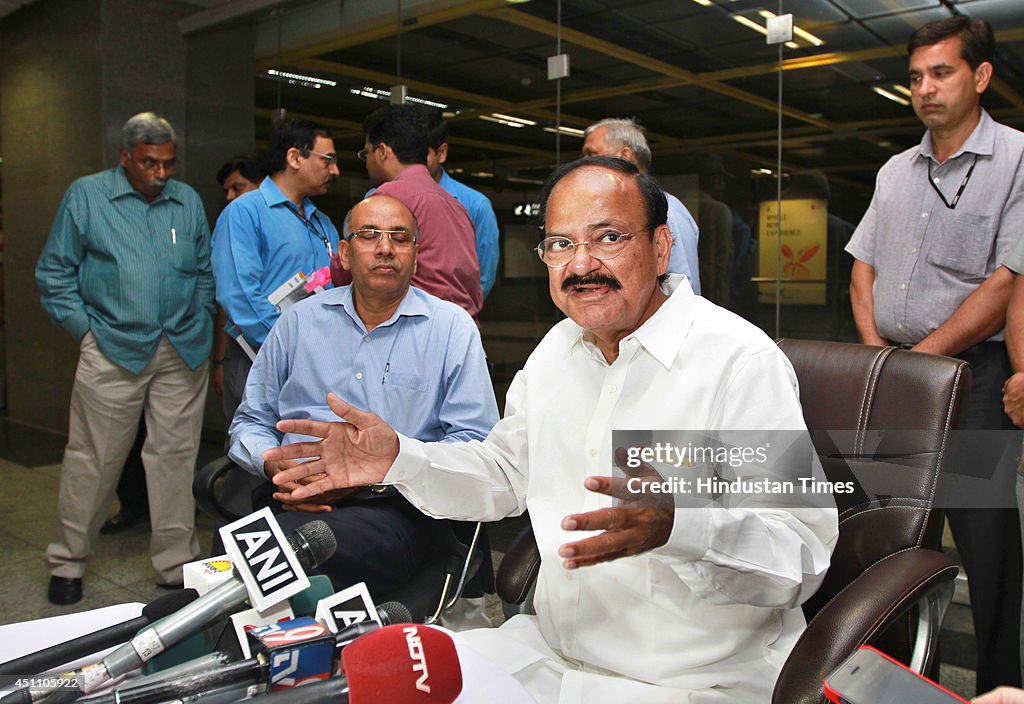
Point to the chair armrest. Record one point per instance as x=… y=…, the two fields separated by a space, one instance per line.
x=859 y=613
x=204 y=488
x=519 y=568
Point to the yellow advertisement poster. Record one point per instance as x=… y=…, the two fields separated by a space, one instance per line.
x=804 y=250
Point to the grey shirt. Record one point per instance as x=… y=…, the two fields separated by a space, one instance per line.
x=929 y=258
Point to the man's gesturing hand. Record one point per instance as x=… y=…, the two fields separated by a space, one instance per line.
x=355 y=453
x=1013 y=399
x=642 y=522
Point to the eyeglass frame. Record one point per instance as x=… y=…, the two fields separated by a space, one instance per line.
x=380 y=234
x=331 y=159
x=625 y=237
x=168 y=165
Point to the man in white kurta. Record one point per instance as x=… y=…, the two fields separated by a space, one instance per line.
x=652 y=605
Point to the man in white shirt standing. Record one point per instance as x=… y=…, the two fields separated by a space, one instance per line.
x=674 y=604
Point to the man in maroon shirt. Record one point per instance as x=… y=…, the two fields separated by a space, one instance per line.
x=396 y=160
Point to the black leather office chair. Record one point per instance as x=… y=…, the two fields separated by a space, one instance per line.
x=460 y=549
x=888 y=584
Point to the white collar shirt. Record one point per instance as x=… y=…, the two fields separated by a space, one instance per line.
x=716 y=608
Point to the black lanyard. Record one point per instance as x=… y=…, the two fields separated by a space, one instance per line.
x=960 y=191
x=312 y=228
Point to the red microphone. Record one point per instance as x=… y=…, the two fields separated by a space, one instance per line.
x=406 y=663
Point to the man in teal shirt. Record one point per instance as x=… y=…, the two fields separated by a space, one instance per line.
x=126 y=271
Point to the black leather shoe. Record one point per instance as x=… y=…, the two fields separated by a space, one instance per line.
x=122 y=522
x=65 y=590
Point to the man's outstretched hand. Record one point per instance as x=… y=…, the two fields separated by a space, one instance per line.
x=641 y=522
x=351 y=454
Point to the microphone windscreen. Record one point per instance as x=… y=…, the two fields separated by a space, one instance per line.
x=394 y=612
x=403 y=664
x=168 y=604
x=313 y=543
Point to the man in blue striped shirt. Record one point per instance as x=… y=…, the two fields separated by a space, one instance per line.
x=414 y=359
x=126 y=271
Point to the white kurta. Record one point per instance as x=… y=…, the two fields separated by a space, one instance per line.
x=714 y=612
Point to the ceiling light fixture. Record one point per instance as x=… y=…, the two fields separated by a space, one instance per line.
x=301 y=79
x=901 y=89
x=507 y=120
x=747 y=22
x=807 y=36
x=705 y=3
x=384 y=94
x=562 y=129
x=513 y=118
x=891 y=96
x=507 y=123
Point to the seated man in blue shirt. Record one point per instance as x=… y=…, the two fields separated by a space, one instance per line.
x=412 y=358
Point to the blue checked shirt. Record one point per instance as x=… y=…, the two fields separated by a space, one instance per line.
x=423 y=371
x=130 y=271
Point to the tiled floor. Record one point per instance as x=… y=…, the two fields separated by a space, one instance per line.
x=121 y=572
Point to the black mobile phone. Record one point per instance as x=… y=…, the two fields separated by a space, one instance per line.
x=869 y=676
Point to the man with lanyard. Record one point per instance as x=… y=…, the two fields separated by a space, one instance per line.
x=267 y=236
x=928 y=276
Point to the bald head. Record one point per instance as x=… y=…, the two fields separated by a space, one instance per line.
x=377 y=206
x=379 y=250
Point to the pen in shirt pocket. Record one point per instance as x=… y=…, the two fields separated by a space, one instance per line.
x=387 y=368
x=174 y=236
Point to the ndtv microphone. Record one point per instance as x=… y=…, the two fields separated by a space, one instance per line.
x=403 y=664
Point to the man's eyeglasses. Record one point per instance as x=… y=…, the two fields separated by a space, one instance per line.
x=148 y=164
x=331 y=159
x=556 y=252
x=362 y=154
x=368 y=236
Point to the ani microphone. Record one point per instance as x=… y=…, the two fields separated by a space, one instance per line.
x=312 y=543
